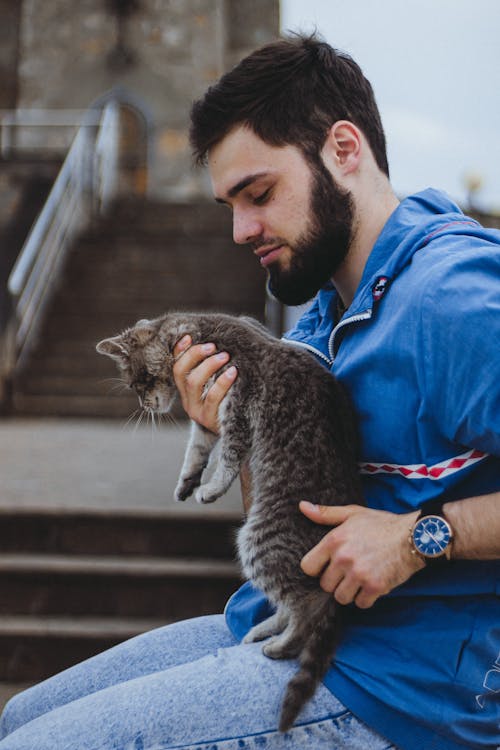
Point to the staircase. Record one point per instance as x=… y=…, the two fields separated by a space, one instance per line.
x=144 y=258
x=76 y=583
x=76 y=578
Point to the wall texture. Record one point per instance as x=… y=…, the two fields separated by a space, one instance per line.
x=178 y=47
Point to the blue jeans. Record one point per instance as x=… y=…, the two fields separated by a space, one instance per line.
x=188 y=685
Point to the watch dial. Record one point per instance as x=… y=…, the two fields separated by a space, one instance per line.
x=431 y=536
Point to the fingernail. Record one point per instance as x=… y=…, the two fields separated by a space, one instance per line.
x=231 y=372
x=223 y=356
x=184 y=342
x=208 y=348
x=307 y=505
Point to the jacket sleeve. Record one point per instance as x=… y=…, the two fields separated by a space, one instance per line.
x=461 y=348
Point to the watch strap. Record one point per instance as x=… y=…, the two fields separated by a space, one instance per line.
x=432 y=507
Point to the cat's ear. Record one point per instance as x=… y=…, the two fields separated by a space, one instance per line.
x=114 y=348
x=143 y=331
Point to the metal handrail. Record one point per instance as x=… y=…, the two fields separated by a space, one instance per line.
x=41 y=120
x=84 y=188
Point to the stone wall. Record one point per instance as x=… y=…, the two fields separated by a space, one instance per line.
x=179 y=47
x=10 y=13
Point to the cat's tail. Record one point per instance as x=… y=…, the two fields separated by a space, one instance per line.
x=314 y=660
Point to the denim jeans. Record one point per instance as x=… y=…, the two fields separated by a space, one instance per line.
x=187 y=685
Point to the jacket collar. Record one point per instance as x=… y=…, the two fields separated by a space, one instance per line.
x=414 y=222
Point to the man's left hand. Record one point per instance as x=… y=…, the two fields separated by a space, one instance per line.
x=365 y=556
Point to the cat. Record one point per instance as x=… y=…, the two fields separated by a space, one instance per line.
x=290 y=420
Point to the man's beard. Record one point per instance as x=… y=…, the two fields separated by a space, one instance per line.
x=323 y=247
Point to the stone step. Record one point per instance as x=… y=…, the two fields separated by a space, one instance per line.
x=70 y=406
x=69 y=383
x=109 y=565
x=71 y=627
x=117 y=532
x=35 y=647
x=140 y=261
x=108 y=586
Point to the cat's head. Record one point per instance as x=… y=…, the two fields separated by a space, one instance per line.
x=145 y=361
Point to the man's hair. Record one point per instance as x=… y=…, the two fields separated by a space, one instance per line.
x=289 y=92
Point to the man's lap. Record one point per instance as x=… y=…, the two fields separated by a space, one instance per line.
x=189 y=685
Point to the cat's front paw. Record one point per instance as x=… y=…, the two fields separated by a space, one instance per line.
x=207 y=494
x=185 y=488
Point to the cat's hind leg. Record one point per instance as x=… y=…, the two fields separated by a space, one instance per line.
x=289 y=643
x=271 y=626
x=200 y=445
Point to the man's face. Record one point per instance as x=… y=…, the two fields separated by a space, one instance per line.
x=290 y=211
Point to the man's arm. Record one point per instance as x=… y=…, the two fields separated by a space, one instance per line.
x=368 y=552
x=476 y=525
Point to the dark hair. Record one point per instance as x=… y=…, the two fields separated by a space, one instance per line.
x=289 y=92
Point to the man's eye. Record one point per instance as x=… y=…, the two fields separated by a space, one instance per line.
x=259 y=200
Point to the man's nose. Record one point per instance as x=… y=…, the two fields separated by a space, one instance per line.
x=246 y=227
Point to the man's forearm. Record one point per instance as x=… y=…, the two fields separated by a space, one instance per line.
x=476 y=526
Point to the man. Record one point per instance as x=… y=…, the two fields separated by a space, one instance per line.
x=407 y=315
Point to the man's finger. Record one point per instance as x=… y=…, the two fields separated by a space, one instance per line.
x=191 y=357
x=198 y=377
x=182 y=345
x=330 y=515
x=314 y=562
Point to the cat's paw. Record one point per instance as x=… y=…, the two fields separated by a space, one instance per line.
x=255 y=634
x=185 y=488
x=206 y=494
x=277 y=648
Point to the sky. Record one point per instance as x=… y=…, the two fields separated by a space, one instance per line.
x=435 y=69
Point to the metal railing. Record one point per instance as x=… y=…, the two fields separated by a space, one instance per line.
x=41 y=132
x=84 y=188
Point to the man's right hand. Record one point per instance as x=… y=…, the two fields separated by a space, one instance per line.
x=194 y=367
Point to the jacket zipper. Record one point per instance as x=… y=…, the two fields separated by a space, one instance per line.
x=310 y=348
x=365 y=315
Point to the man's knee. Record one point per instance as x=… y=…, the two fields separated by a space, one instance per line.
x=9 y=719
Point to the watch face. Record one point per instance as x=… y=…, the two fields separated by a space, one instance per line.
x=431 y=536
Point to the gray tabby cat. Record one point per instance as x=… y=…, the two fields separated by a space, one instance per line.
x=291 y=421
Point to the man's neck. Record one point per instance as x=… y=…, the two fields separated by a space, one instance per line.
x=369 y=221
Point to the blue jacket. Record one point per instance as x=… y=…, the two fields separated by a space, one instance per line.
x=419 y=350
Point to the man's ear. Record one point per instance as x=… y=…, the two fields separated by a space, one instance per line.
x=342 y=148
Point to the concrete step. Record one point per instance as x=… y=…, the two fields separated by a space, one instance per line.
x=141 y=260
x=55 y=405
x=163 y=588
x=69 y=383
x=115 y=532
x=33 y=648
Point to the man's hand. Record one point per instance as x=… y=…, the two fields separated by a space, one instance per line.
x=365 y=556
x=193 y=369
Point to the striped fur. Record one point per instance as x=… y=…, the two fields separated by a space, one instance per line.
x=291 y=421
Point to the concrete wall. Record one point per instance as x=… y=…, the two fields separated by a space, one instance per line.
x=10 y=13
x=179 y=46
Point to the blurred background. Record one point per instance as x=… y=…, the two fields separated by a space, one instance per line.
x=104 y=221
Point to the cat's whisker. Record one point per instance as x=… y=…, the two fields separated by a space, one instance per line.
x=118 y=387
x=130 y=418
x=139 y=420
x=102 y=381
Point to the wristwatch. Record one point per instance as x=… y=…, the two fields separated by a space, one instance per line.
x=431 y=536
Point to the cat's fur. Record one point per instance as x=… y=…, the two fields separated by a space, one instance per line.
x=290 y=419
